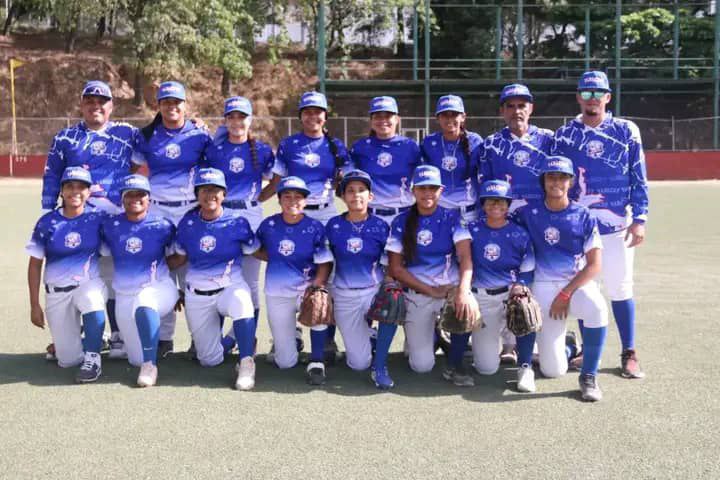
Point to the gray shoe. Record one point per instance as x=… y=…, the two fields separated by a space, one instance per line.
x=589 y=387
x=165 y=348
x=459 y=376
x=90 y=370
x=316 y=373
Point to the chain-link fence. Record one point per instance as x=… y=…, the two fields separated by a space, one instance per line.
x=35 y=134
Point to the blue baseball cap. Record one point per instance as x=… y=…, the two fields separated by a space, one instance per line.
x=292 y=183
x=449 y=103
x=210 y=176
x=76 y=174
x=238 y=104
x=356 y=176
x=515 y=90
x=171 y=90
x=594 y=80
x=135 y=182
x=313 y=99
x=427 y=175
x=96 y=88
x=383 y=104
x=558 y=164
x=495 y=189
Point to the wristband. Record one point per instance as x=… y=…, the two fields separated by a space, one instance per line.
x=564 y=295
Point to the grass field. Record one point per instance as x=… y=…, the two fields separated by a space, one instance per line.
x=194 y=425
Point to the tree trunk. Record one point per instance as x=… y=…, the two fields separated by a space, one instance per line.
x=101 y=29
x=138 y=85
x=8 y=21
x=225 y=85
x=70 y=40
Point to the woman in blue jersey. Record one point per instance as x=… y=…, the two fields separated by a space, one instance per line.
x=67 y=240
x=389 y=158
x=429 y=252
x=297 y=255
x=357 y=240
x=502 y=257
x=451 y=150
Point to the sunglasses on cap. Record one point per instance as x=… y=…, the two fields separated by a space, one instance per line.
x=588 y=94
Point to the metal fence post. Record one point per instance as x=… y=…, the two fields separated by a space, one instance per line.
x=345 y=135
x=520 y=35
x=672 y=127
x=321 y=45
x=618 y=56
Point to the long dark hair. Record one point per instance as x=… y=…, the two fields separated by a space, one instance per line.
x=148 y=130
x=409 y=239
x=465 y=144
x=253 y=150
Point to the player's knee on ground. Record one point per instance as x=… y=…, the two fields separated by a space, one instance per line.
x=421 y=362
x=358 y=360
x=553 y=364
x=286 y=359
x=486 y=364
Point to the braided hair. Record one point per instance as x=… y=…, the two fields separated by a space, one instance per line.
x=465 y=144
x=409 y=239
x=253 y=150
x=148 y=130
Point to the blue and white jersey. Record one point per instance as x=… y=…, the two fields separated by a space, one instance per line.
x=358 y=250
x=138 y=250
x=609 y=162
x=105 y=153
x=293 y=251
x=499 y=255
x=243 y=175
x=505 y=156
x=391 y=164
x=311 y=159
x=560 y=239
x=459 y=173
x=435 y=261
x=70 y=246
x=172 y=156
x=214 y=248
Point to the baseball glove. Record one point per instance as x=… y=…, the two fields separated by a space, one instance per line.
x=450 y=322
x=316 y=307
x=389 y=304
x=522 y=311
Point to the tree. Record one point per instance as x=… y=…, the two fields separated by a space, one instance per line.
x=26 y=8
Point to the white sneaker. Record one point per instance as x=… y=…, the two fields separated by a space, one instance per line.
x=148 y=375
x=246 y=374
x=117 y=347
x=526 y=379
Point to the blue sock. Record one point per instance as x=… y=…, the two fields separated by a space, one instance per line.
x=110 y=307
x=593 y=347
x=317 y=344
x=386 y=332
x=458 y=343
x=624 y=312
x=93 y=325
x=148 y=325
x=330 y=333
x=245 y=334
x=525 y=345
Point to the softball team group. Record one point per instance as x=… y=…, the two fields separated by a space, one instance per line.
x=522 y=207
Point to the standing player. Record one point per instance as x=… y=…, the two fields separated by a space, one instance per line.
x=389 y=158
x=139 y=242
x=568 y=257
x=213 y=241
x=425 y=247
x=295 y=248
x=357 y=240
x=68 y=238
x=612 y=182
x=104 y=148
x=171 y=147
x=451 y=150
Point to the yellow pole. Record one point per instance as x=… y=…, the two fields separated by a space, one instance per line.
x=14 y=151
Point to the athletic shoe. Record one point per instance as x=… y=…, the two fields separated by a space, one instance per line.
x=148 y=375
x=508 y=356
x=526 y=379
x=316 y=373
x=90 y=369
x=50 y=353
x=459 y=376
x=165 y=348
x=270 y=357
x=381 y=378
x=331 y=352
x=105 y=346
x=246 y=374
x=576 y=363
x=630 y=364
x=117 y=347
x=589 y=387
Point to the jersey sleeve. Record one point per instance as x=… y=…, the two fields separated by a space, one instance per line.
x=592 y=234
x=280 y=166
x=460 y=232
x=178 y=246
x=394 y=242
x=528 y=261
x=53 y=172
x=384 y=239
x=416 y=157
x=480 y=157
x=139 y=150
x=342 y=153
x=250 y=242
x=321 y=248
x=638 y=177
x=267 y=159
x=36 y=246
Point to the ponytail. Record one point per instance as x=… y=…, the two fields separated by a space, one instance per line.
x=465 y=144
x=253 y=150
x=409 y=239
x=148 y=130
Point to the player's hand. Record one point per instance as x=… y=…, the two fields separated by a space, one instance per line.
x=637 y=231
x=37 y=317
x=180 y=301
x=462 y=305
x=440 y=291
x=559 y=308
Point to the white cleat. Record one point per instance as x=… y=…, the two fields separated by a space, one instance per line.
x=148 y=375
x=526 y=379
x=589 y=388
x=246 y=374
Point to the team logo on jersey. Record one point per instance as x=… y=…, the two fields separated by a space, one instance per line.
x=73 y=240
x=354 y=244
x=384 y=159
x=172 y=151
x=521 y=158
x=98 y=147
x=286 y=248
x=595 y=149
x=449 y=163
x=492 y=251
x=133 y=245
x=237 y=164
x=424 y=237
x=312 y=160
x=552 y=235
x=208 y=243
